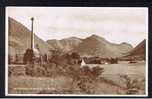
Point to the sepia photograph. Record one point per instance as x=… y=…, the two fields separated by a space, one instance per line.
x=76 y=51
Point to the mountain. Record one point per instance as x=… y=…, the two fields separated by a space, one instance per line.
x=19 y=38
x=19 y=41
x=55 y=44
x=65 y=45
x=139 y=50
x=98 y=46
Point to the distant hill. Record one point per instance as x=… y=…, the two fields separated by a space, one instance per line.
x=19 y=41
x=98 y=46
x=19 y=38
x=65 y=45
x=139 y=50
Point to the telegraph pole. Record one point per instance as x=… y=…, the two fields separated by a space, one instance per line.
x=32 y=19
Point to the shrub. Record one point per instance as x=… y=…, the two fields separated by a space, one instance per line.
x=132 y=85
x=85 y=78
x=97 y=71
x=46 y=70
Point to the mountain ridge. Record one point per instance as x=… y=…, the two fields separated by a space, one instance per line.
x=94 y=45
x=92 y=42
x=20 y=36
x=99 y=46
x=139 y=50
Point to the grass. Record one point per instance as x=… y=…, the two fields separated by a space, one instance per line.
x=110 y=83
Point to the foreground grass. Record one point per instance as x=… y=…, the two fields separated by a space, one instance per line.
x=58 y=85
x=110 y=82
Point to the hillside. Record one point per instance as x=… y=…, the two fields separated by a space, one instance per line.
x=98 y=46
x=19 y=38
x=19 y=41
x=139 y=50
x=65 y=45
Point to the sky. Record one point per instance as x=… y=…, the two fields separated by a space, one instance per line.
x=115 y=24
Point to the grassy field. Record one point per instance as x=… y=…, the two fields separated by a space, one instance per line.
x=111 y=82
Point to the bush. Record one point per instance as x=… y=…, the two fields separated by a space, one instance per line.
x=132 y=85
x=97 y=71
x=46 y=70
x=85 y=78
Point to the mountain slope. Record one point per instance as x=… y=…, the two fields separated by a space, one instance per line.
x=98 y=46
x=65 y=45
x=139 y=50
x=19 y=38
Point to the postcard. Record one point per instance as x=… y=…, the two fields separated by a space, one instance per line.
x=76 y=51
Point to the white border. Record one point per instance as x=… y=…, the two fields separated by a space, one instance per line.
x=6 y=51
x=108 y=95
x=147 y=32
